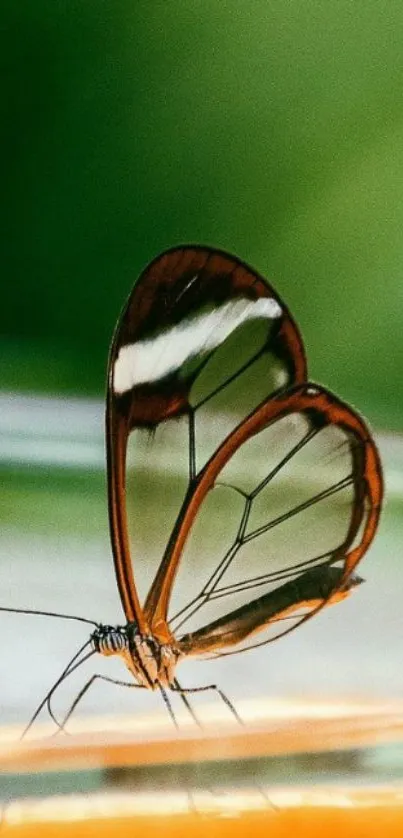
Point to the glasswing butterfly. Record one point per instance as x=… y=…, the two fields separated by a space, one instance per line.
x=263 y=489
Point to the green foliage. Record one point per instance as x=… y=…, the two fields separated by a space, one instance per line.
x=273 y=130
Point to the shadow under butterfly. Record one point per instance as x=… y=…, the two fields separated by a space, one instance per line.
x=269 y=486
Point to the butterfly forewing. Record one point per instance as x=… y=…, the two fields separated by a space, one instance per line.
x=201 y=342
x=157 y=482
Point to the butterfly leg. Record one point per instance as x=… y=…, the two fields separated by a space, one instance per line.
x=74 y=664
x=177 y=688
x=211 y=687
x=168 y=706
x=85 y=689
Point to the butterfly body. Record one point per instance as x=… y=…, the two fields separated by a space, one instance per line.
x=151 y=662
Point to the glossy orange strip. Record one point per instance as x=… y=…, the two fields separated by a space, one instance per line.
x=273 y=728
x=330 y=812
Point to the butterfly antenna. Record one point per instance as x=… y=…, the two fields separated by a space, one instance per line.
x=73 y=664
x=48 y=614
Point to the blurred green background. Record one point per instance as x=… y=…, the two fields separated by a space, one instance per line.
x=273 y=130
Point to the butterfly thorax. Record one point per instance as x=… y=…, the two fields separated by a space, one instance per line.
x=151 y=662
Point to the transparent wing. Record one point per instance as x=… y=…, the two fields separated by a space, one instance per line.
x=271 y=615
x=201 y=342
x=294 y=490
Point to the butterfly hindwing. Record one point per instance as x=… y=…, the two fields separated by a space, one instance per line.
x=291 y=527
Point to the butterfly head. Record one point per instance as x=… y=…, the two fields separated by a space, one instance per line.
x=151 y=663
x=110 y=640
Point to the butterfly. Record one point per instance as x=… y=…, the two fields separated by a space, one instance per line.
x=268 y=486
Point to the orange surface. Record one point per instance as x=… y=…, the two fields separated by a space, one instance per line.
x=273 y=728
x=315 y=813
